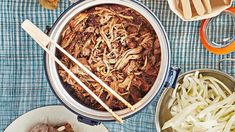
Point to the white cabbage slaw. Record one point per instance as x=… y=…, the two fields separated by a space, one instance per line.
x=201 y=104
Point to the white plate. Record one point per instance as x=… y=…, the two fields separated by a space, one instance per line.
x=52 y=115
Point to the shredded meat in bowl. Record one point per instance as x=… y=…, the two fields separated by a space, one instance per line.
x=118 y=45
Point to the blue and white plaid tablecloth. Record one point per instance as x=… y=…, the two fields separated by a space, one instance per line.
x=23 y=84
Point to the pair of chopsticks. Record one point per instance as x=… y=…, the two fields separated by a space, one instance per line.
x=43 y=40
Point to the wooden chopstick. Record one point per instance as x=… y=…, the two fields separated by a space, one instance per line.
x=38 y=35
x=90 y=73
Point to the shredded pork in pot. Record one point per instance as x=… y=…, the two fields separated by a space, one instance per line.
x=119 y=46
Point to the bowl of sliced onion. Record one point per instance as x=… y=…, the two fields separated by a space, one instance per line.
x=203 y=100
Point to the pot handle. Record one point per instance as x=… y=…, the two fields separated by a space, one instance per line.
x=223 y=60
x=47 y=30
x=87 y=120
x=172 y=77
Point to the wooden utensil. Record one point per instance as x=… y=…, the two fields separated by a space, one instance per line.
x=43 y=40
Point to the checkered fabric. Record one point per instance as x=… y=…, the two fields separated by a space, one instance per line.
x=23 y=84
